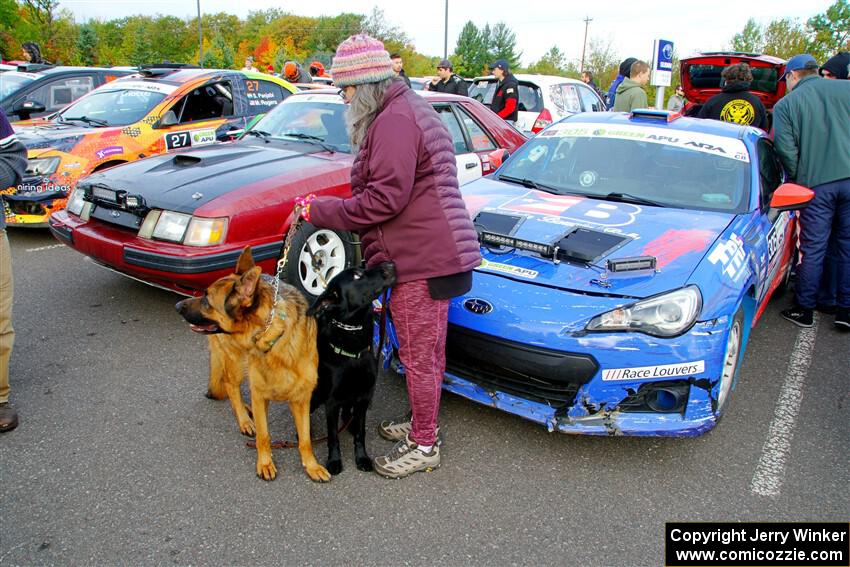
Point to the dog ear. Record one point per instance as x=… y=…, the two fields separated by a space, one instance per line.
x=245 y=262
x=248 y=286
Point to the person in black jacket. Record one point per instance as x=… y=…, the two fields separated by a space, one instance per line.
x=448 y=82
x=13 y=163
x=736 y=103
x=398 y=67
x=506 y=100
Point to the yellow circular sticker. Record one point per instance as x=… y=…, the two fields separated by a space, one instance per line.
x=738 y=111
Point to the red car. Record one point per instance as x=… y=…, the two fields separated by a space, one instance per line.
x=180 y=220
x=700 y=75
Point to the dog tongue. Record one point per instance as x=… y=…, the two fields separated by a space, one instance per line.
x=204 y=328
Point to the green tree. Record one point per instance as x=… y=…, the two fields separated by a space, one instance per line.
x=469 y=57
x=786 y=38
x=139 y=52
x=86 y=47
x=602 y=61
x=553 y=62
x=751 y=38
x=503 y=45
x=831 y=29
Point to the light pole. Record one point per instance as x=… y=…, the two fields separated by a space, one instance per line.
x=200 y=38
x=587 y=20
x=446 y=34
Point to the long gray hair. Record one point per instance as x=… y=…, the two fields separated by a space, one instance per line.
x=364 y=107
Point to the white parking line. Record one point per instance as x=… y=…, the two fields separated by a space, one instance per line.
x=40 y=248
x=767 y=478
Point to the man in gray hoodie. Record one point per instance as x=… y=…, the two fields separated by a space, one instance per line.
x=630 y=93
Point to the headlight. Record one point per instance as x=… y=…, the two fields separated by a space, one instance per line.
x=171 y=226
x=39 y=167
x=665 y=315
x=185 y=229
x=205 y=232
x=76 y=202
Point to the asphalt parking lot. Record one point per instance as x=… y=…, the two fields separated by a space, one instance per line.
x=120 y=459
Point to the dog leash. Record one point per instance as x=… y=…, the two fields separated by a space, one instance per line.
x=286 y=444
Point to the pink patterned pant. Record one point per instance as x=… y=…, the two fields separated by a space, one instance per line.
x=420 y=324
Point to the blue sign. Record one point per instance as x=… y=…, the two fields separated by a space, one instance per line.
x=664 y=56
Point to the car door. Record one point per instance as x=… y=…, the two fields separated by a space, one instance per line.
x=590 y=100
x=778 y=227
x=468 y=162
x=204 y=115
x=254 y=95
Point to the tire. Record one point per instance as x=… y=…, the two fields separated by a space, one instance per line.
x=318 y=254
x=731 y=360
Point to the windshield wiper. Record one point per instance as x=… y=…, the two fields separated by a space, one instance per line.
x=86 y=119
x=531 y=184
x=309 y=138
x=260 y=134
x=628 y=198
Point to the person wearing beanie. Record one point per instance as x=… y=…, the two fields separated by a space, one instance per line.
x=813 y=142
x=630 y=93
x=249 y=65
x=623 y=71
x=837 y=67
x=294 y=73
x=317 y=69
x=449 y=82
x=735 y=103
x=407 y=207
x=13 y=164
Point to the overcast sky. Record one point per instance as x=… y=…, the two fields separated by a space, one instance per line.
x=631 y=26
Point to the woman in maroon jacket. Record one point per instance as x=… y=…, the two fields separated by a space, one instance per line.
x=408 y=209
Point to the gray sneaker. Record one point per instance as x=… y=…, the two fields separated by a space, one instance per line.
x=405 y=459
x=398 y=428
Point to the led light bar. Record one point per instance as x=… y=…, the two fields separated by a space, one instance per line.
x=518 y=243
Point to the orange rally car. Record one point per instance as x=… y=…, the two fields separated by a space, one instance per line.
x=157 y=110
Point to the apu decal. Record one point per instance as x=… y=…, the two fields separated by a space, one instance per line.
x=188 y=138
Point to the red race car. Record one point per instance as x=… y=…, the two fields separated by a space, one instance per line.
x=180 y=220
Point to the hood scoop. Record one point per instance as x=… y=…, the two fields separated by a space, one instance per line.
x=578 y=245
x=185 y=161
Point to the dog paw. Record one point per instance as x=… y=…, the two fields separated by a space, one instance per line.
x=247 y=428
x=318 y=473
x=364 y=464
x=334 y=467
x=266 y=470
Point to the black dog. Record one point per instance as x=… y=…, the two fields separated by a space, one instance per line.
x=347 y=363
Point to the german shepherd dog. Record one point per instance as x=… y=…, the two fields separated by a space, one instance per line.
x=237 y=307
x=347 y=363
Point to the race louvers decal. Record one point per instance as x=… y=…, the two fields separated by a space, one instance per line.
x=648 y=372
x=189 y=138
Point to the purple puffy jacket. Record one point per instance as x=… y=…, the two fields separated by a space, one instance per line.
x=405 y=199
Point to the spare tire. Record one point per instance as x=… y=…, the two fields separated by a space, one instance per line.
x=316 y=255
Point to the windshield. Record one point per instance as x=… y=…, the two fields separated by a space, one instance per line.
x=112 y=107
x=11 y=81
x=671 y=168
x=765 y=79
x=321 y=121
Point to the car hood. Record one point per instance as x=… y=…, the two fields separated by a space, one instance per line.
x=678 y=239
x=186 y=181
x=45 y=134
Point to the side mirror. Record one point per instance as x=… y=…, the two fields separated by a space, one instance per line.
x=498 y=157
x=168 y=119
x=27 y=108
x=790 y=196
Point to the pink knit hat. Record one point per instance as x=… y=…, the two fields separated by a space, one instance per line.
x=361 y=59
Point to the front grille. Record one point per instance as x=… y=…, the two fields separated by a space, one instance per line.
x=535 y=373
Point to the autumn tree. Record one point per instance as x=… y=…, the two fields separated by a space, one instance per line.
x=831 y=30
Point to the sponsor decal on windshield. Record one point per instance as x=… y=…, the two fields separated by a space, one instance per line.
x=508 y=269
x=706 y=143
x=648 y=372
x=140 y=86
